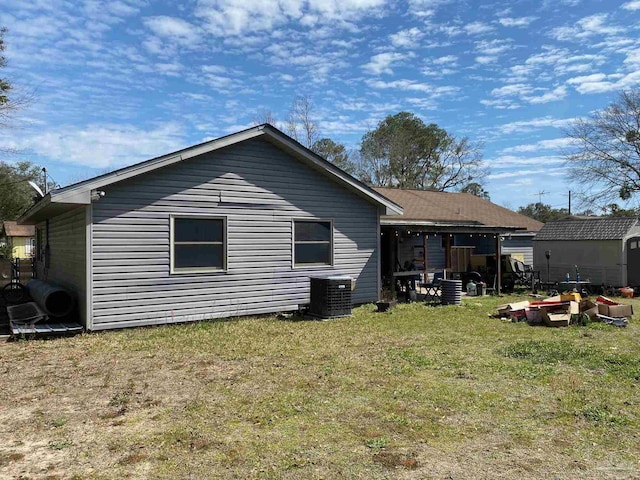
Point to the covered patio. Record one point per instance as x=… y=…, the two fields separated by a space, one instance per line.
x=449 y=235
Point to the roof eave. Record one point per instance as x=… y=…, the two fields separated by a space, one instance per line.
x=46 y=208
x=386 y=222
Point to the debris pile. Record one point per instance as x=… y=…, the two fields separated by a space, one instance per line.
x=567 y=309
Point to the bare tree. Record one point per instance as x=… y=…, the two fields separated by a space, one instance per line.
x=300 y=125
x=604 y=154
x=265 y=116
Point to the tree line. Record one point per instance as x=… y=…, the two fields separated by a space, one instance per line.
x=400 y=152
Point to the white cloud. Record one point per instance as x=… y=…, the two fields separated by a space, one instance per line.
x=552 y=144
x=425 y=8
x=382 y=62
x=525 y=93
x=533 y=124
x=236 y=17
x=633 y=59
x=409 y=38
x=486 y=59
x=413 y=86
x=105 y=145
x=519 y=173
x=516 y=22
x=552 y=62
x=516 y=89
x=174 y=29
x=633 y=5
x=446 y=60
x=423 y=103
x=493 y=47
x=477 y=28
x=501 y=104
x=585 y=28
x=557 y=93
x=601 y=83
x=440 y=66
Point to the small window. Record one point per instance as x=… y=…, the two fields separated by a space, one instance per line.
x=312 y=243
x=633 y=245
x=197 y=244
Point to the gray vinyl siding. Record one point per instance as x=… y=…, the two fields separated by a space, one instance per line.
x=67 y=254
x=260 y=190
x=522 y=245
x=599 y=261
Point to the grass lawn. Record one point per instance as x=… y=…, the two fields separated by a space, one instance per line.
x=420 y=392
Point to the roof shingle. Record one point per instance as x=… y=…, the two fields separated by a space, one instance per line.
x=460 y=208
x=587 y=228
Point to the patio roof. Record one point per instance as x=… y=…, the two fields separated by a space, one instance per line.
x=12 y=229
x=453 y=212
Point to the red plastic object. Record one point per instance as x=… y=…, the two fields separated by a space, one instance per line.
x=605 y=301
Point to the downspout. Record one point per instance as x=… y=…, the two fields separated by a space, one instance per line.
x=89 y=268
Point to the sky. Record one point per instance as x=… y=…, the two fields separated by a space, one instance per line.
x=117 y=82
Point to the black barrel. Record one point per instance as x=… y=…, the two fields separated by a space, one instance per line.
x=53 y=299
x=451 y=292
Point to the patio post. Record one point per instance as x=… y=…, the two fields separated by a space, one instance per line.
x=498 y=265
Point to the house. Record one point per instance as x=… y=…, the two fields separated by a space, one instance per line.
x=605 y=250
x=20 y=237
x=453 y=231
x=233 y=226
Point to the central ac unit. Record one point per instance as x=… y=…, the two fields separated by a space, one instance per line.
x=331 y=296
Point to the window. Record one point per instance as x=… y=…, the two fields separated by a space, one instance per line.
x=312 y=243
x=197 y=244
x=633 y=245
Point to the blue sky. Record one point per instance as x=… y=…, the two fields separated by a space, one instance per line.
x=117 y=82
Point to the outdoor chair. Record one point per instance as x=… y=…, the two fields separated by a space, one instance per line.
x=433 y=293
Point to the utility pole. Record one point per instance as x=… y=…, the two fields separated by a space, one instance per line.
x=569 y=202
x=44 y=173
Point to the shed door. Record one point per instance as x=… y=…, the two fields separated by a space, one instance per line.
x=633 y=261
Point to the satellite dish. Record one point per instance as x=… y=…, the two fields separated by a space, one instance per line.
x=36 y=188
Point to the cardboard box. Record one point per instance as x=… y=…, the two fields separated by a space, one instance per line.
x=615 y=311
x=559 y=314
x=555 y=299
x=590 y=308
x=556 y=319
x=507 y=308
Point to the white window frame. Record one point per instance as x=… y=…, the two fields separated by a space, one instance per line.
x=293 y=243
x=191 y=270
